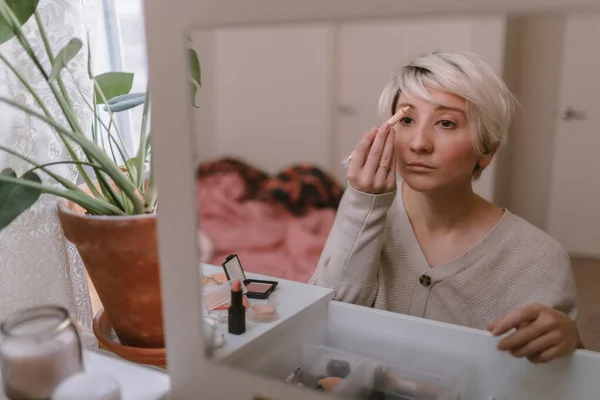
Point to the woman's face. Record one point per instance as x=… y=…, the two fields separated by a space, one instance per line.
x=434 y=143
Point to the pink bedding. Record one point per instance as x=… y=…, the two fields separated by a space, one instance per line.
x=268 y=239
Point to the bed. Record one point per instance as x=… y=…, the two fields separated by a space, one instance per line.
x=276 y=224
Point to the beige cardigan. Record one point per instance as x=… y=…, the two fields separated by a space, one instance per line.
x=372 y=258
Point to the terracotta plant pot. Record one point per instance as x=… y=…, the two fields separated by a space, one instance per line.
x=121 y=257
x=104 y=332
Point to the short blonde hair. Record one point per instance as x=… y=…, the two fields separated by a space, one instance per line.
x=490 y=105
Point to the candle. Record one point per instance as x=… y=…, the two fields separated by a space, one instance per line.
x=40 y=349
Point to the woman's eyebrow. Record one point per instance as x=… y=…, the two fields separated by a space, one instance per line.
x=448 y=108
x=438 y=108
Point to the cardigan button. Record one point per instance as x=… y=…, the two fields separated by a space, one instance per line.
x=425 y=280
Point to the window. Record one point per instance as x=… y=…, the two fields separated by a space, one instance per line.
x=121 y=46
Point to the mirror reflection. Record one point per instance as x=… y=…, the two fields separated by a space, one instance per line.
x=436 y=167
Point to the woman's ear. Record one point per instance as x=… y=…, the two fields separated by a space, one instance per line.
x=486 y=159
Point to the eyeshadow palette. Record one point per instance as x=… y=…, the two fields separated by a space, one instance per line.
x=255 y=288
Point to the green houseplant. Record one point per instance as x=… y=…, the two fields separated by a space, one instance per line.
x=111 y=218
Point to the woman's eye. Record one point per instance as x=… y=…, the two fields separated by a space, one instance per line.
x=406 y=120
x=445 y=123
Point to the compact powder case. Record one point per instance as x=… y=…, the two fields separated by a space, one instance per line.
x=253 y=288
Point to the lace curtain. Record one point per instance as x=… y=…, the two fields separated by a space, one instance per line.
x=37 y=264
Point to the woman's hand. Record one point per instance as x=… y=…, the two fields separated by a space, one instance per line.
x=373 y=166
x=542 y=334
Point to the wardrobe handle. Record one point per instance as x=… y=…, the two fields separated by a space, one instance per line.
x=570 y=114
x=347 y=110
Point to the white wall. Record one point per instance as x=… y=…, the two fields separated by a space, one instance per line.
x=202 y=118
x=273 y=97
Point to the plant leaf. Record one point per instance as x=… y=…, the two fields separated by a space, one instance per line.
x=193 y=91
x=15 y=199
x=125 y=102
x=8 y=172
x=23 y=10
x=195 y=75
x=132 y=166
x=113 y=84
x=64 y=56
x=89 y=56
x=195 y=72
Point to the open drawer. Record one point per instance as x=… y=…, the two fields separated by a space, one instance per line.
x=462 y=359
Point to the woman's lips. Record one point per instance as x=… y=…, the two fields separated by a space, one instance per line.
x=419 y=167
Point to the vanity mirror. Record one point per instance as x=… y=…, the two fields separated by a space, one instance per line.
x=288 y=89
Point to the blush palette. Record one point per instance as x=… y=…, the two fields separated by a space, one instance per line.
x=253 y=288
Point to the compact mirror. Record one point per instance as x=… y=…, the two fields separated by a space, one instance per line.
x=273 y=100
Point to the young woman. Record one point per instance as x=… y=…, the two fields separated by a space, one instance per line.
x=426 y=245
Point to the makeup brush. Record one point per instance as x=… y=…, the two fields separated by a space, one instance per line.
x=394 y=119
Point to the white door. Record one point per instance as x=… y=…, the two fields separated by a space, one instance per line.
x=369 y=53
x=574 y=204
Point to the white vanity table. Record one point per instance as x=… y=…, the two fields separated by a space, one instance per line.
x=137 y=382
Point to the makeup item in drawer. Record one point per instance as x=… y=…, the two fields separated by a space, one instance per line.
x=293 y=376
x=330 y=370
x=338 y=368
x=329 y=383
x=390 y=385
x=253 y=288
x=337 y=371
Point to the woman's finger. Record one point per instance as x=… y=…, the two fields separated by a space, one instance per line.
x=388 y=150
x=376 y=151
x=383 y=169
x=359 y=155
x=522 y=337
x=547 y=355
x=514 y=319
x=537 y=345
x=391 y=178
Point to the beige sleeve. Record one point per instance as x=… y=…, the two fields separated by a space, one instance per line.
x=350 y=258
x=565 y=293
x=549 y=279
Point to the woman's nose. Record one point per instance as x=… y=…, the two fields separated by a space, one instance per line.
x=421 y=140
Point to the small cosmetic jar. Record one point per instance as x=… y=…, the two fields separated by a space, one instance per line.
x=262 y=313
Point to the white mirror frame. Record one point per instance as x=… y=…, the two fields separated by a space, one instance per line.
x=167 y=25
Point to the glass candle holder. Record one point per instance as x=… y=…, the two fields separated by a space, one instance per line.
x=40 y=348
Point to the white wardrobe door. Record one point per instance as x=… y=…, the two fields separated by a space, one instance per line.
x=371 y=52
x=273 y=94
x=573 y=217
